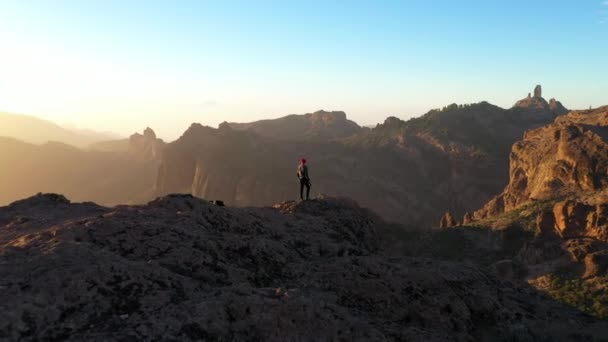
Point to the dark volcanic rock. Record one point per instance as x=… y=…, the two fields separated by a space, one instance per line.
x=181 y=268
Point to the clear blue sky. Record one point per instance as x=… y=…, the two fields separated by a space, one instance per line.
x=124 y=65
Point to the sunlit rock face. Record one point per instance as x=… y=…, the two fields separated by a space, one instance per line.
x=568 y=157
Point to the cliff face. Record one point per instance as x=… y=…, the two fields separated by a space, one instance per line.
x=146 y=146
x=568 y=157
x=181 y=268
x=558 y=191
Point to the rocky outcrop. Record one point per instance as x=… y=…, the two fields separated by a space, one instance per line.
x=146 y=146
x=596 y=264
x=447 y=221
x=557 y=107
x=180 y=268
x=575 y=219
x=538 y=91
x=569 y=156
x=571 y=219
x=539 y=107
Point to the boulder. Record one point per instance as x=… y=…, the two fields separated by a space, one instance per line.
x=596 y=264
x=447 y=221
x=571 y=218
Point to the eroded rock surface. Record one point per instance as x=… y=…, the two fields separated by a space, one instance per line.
x=568 y=157
x=180 y=268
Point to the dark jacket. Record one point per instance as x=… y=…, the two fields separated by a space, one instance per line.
x=302 y=171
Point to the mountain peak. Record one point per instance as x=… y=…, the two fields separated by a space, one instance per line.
x=320 y=125
x=146 y=146
x=149 y=133
x=338 y=115
x=538 y=104
x=538 y=91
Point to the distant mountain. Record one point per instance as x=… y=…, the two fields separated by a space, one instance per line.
x=144 y=146
x=37 y=131
x=540 y=106
x=108 y=178
x=452 y=159
x=317 y=125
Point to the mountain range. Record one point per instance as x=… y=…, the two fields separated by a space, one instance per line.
x=455 y=158
x=450 y=159
x=37 y=131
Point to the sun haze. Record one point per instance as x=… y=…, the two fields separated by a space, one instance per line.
x=117 y=66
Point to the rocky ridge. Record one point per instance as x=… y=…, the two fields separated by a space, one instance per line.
x=320 y=125
x=183 y=268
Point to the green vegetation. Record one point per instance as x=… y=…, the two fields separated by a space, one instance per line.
x=588 y=296
x=524 y=216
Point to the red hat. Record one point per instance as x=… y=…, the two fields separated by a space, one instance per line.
x=303 y=160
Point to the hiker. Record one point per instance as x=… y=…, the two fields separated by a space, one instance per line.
x=304 y=179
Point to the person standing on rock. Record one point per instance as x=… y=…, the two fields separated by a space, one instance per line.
x=302 y=173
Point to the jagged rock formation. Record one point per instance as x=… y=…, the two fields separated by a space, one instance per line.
x=146 y=146
x=184 y=269
x=567 y=157
x=320 y=125
x=447 y=221
x=539 y=107
x=538 y=91
x=559 y=178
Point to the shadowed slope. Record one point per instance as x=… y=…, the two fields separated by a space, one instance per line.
x=182 y=268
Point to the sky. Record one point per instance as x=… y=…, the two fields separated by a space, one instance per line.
x=123 y=65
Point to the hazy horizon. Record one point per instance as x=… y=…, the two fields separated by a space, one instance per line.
x=119 y=67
